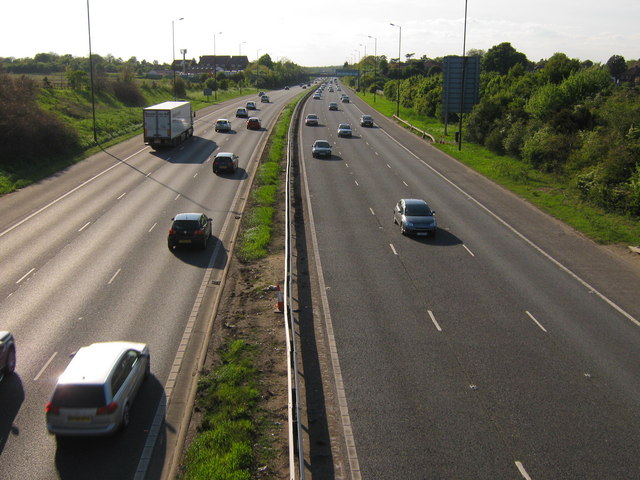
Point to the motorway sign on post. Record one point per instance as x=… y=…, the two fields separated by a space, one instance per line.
x=347 y=73
x=460 y=87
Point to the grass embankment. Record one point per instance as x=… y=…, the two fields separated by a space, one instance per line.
x=115 y=122
x=230 y=441
x=551 y=193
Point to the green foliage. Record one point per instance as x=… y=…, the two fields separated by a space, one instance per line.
x=501 y=58
x=223 y=449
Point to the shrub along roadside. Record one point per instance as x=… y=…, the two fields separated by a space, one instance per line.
x=547 y=191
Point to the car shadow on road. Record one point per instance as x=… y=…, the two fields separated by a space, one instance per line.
x=11 y=398
x=443 y=238
x=113 y=456
x=200 y=258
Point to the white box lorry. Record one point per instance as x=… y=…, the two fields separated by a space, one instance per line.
x=167 y=124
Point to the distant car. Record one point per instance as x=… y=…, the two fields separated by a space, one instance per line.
x=286 y=88
x=225 y=162
x=95 y=393
x=311 y=120
x=253 y=123
x=242 y=113
x=260 y=94
x=366 y=121
x=321 y=148
x=189 y=229
x=344 y=130
x=317 y=96
x=345 y=99
x=414 y=217
x=7 y=354
x=223 y=125
x=264 y=99
x=251 y=105
x=333 y=106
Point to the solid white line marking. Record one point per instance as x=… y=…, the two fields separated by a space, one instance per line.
x=433 y=319
x=569 y=272
x=523 y=472
x=86 y=182
x=393 y=248
x=114 y=276
x=84 y=226
x=121 y=196
x=45 y=366
x=152 y=227
x=467 y=249
x=537 y=322
x=25 y=275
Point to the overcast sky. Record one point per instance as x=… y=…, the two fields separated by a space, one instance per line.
x=319 y=33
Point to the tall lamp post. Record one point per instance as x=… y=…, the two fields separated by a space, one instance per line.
x=375 y=65
x=215 y=71
x=173 y=65
x=257 y=68
x=364 y=59
x=399 y=44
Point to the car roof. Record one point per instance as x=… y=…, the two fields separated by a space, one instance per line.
x=222 y=120
x=344 y=125
x=188 y=216
x=94 y=363
x=414 y=201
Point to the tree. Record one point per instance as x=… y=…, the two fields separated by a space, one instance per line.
x=617 y=66
x=501 y=58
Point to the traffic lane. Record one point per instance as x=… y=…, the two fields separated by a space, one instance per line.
x=609 y=272
x=541 y=286
x=382 y=327
x=331 y=196
x=98 y=246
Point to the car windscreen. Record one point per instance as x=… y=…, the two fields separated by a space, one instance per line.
x=418 y=211
x=79 y=396
x=184 y=225
x=323 y=144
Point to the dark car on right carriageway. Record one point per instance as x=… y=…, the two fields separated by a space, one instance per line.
x=7 y=354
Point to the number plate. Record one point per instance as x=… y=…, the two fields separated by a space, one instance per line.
x=80 y=419
x=185 y=241
x=422 y=234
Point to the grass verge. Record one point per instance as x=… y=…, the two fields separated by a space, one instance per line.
x=257 y=223
x=551 y=193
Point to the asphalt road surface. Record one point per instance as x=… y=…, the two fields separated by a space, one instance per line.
x=506 y=347
x=84 y=259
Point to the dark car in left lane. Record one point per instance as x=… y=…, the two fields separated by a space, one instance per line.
x=189 y=229
x=7 y=354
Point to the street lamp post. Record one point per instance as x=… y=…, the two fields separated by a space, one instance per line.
x=257 y=68
x=173 y=65
x=364 y=59
x=215 y=71
x=375 y=65
x=399 y=45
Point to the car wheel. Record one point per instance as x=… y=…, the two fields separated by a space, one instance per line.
x=11 y=361
x=126 y=417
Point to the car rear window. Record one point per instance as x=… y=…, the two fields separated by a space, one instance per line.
x=186 y=225
x=79 y=396
x=322 y=144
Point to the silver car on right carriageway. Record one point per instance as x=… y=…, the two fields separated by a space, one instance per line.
x=321 y=148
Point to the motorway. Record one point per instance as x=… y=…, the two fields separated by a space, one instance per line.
x=506 y=347
x=84 y=259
